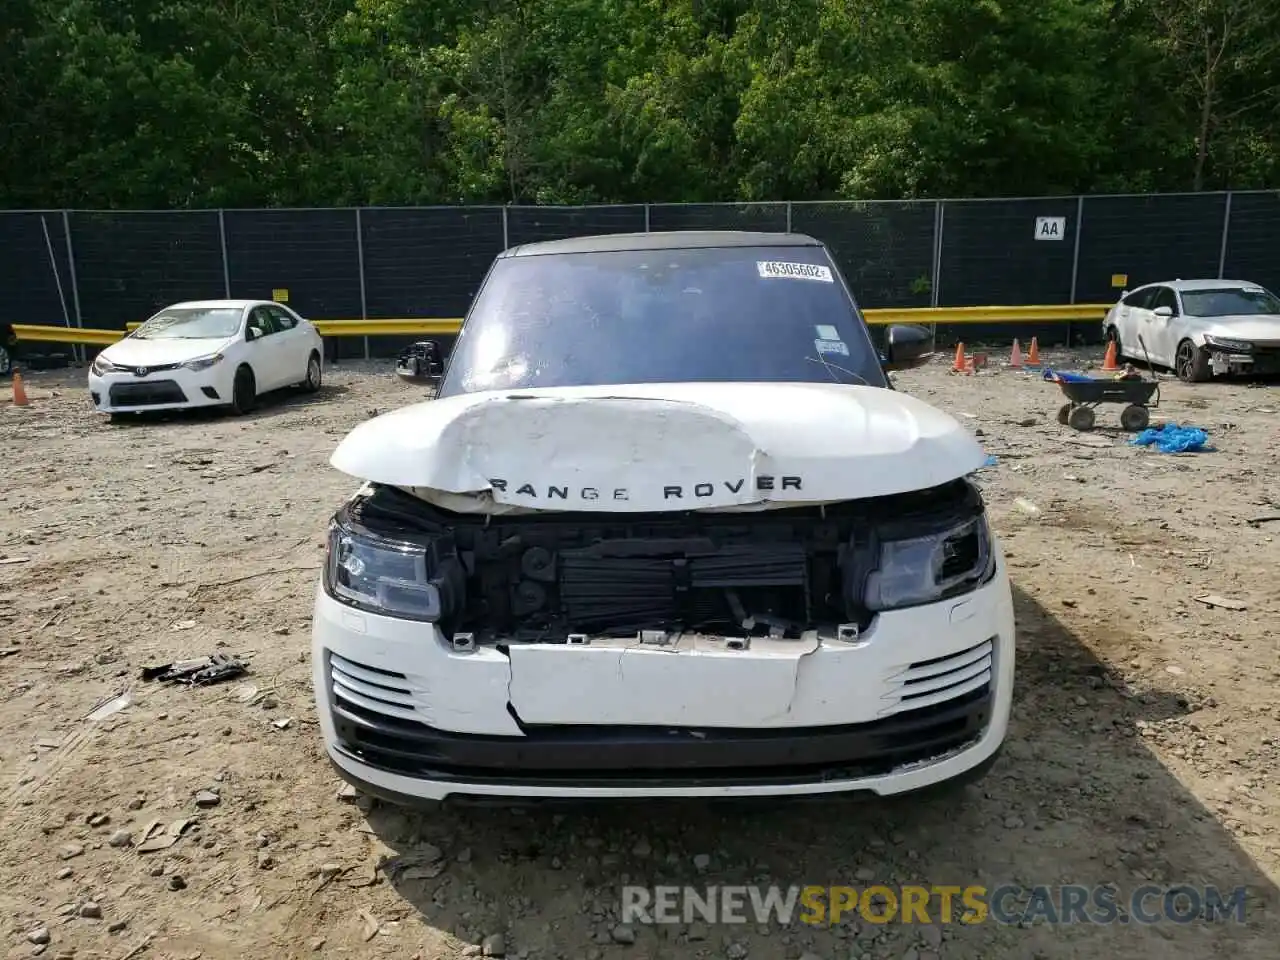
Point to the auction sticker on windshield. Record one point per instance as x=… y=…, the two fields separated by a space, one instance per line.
x=775 y=269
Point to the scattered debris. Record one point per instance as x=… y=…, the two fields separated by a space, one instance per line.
x=214 y=668
x=371 y=926
x=153 y=841
x=11 y=560
x=1172 y=438
x=1255 y=521
x=109 y=707
x=1026 y=506
x=1226 y=603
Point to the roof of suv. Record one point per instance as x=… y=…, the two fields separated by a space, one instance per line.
x=661 y=240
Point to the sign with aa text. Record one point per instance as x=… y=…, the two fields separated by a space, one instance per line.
x=1051 y=228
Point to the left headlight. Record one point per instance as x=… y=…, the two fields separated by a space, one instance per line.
x=930 y=568
x=1226 y=343
x=391 y=577
x=204 y=363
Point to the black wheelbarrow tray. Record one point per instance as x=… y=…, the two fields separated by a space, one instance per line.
x=1084 y=394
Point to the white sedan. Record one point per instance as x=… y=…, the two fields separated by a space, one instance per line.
x=207 y=353
x=1199 y=328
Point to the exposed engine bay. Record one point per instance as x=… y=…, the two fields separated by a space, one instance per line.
x=562 y=577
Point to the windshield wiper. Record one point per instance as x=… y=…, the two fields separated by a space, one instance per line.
x=831 y=368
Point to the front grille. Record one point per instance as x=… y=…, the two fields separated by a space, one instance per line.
x=146 y=393
x=368 y=690
x=927 y=682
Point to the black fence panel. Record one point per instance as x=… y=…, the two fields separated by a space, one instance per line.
x=885 y=250
x=312 y=254
x=771 y=217
x=534 y=224
x=1147 y=239
x=30 y=279
x=1253 y=239
x=991 y=254
x=423 y=262
x=130 y=264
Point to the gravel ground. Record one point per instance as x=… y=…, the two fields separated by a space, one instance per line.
x=1144 y=746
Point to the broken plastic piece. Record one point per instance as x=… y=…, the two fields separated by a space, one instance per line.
x=201 y=670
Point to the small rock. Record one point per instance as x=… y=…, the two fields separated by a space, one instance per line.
x=471 y=950
x=40 y=935
x=642 y=848
x=280 y=631
x=120 y=838
x=269 y=703
x=90 y=910
x=864 y=874
x=697 y=931
x=348 y=793
x=932 y=936
x=70 y=851
x=702 y=861
x=65 y=873
x=136 y=803
x=736 y=951
x=207 y=798
x=494 y=945
x=317 y=944
x=265 y=860
x=623 y=933
x=464 y=855
x=177 y=883
x=99 y=820
x=1013 y=822
x=115 y=926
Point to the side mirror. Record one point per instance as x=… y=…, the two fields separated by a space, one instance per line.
x=907 y=347
x=251 y=334
x=1165 y=312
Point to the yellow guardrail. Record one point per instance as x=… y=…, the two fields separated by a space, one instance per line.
x=880 y=316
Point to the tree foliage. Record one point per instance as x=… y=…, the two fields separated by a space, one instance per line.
x=176 y=103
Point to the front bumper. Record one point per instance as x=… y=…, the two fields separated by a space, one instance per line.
x=172 y=389
x=1260 y=361
x=405 y=719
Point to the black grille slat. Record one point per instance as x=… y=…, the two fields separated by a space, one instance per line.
x=146 y=393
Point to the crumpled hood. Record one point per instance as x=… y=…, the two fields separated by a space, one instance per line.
x=133 y=352
x=660 y=447
x=1264 y=328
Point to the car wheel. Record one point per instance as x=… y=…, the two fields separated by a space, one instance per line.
x=315 y=371
x=1191 y=363
x=244 y=392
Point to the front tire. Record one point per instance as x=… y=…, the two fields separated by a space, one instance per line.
x=1191 y=363
x=315 y=373
x=244 y=392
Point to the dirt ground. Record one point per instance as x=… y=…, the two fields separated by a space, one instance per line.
x=1144 y=749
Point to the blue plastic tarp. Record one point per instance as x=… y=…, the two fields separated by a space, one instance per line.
x=1172 y=438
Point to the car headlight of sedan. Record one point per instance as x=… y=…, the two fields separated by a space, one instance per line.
x=409 y=581
x=926 y=569
x=1226 y=343
x=203 y=363
x=101 y=365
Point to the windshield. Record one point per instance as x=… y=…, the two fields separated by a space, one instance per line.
x=1229 y=302
x=735 y=314
x=191 y=323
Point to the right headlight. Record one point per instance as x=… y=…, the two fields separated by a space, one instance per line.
x=930 y=568
x=1227 y=343
x=101 y=366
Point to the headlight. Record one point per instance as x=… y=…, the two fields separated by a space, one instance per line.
x=101 y=366
x=397 y=579
x=1226 y=343
x=930 y=568
x=204 y=363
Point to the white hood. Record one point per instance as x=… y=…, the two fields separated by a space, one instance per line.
x=134 y=352
x=1255 y=328
x=659 y=447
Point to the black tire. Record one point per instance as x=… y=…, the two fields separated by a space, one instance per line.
x=1135 y=418
x=315 y=373
x=244 y=392
x=1064 y=414
x=1081 y=418
x=1191 y=363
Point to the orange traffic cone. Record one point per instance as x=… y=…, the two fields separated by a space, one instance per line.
x=1033 y=355
x=19 y=391
x=1015 y=358
x=959 y=365
x=1109 y=361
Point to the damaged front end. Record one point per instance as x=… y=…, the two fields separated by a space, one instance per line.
x=804 y=574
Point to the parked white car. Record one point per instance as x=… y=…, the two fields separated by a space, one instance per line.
x=207 y=353
x=1199 y=328
x=667 y=531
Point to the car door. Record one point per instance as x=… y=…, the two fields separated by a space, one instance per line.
x=294 y=344
x=264 y=352
x=1131 y=317
x=1162 y=336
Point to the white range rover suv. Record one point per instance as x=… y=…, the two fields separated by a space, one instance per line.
x=666 y=530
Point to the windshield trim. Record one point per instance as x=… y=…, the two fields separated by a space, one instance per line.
x=452 y=383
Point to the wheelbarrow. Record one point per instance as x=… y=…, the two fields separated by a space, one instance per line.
x=1085 y=394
